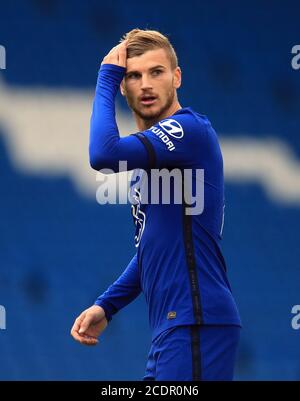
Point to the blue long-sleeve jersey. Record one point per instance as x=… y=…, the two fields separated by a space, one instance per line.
x=178 y=265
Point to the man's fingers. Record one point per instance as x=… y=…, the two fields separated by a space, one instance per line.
x=123 y=54
x=112 y=50
x=117 y=55
x=117 y=47
x=76 y=325
x=87 y=340
x=84 y=339
x=76 y=336
x=77 y=328
x=84 y=325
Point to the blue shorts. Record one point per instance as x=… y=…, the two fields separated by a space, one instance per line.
x=193 y=353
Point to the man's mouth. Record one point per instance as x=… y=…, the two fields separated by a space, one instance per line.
x=147 y=100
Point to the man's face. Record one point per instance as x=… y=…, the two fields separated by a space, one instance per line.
x=150 y=84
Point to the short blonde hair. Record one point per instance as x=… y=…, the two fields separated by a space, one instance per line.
x=140 y=41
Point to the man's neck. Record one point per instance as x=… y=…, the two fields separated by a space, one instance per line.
x=145 y=124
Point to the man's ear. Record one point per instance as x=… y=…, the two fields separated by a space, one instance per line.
x=177 y=77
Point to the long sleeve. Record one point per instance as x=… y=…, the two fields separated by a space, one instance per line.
x=106 y=147
x=123 y=291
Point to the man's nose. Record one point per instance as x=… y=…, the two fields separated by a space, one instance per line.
x=146 y=82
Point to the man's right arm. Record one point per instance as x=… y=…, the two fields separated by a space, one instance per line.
x=123 y=291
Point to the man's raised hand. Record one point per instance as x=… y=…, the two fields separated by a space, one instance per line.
x=117 y=55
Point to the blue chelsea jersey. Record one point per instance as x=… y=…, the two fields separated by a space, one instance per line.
x=178 y=265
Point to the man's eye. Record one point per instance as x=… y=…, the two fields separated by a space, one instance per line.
x=134 y=76
x=157 y=72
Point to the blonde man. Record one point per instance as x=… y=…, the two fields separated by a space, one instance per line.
x=178 y=264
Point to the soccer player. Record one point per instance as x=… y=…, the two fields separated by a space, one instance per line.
x=178 y=264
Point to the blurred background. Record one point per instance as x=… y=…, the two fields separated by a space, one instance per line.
x=59 y=249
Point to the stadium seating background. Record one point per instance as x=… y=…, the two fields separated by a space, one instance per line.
x=59 y=249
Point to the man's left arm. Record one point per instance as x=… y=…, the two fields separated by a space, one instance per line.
x=106 y=147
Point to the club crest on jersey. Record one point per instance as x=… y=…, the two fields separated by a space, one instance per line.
x=171 y=315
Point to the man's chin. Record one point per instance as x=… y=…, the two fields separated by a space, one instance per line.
x=149 y=113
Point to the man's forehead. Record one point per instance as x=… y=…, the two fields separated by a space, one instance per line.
x=148 y=60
